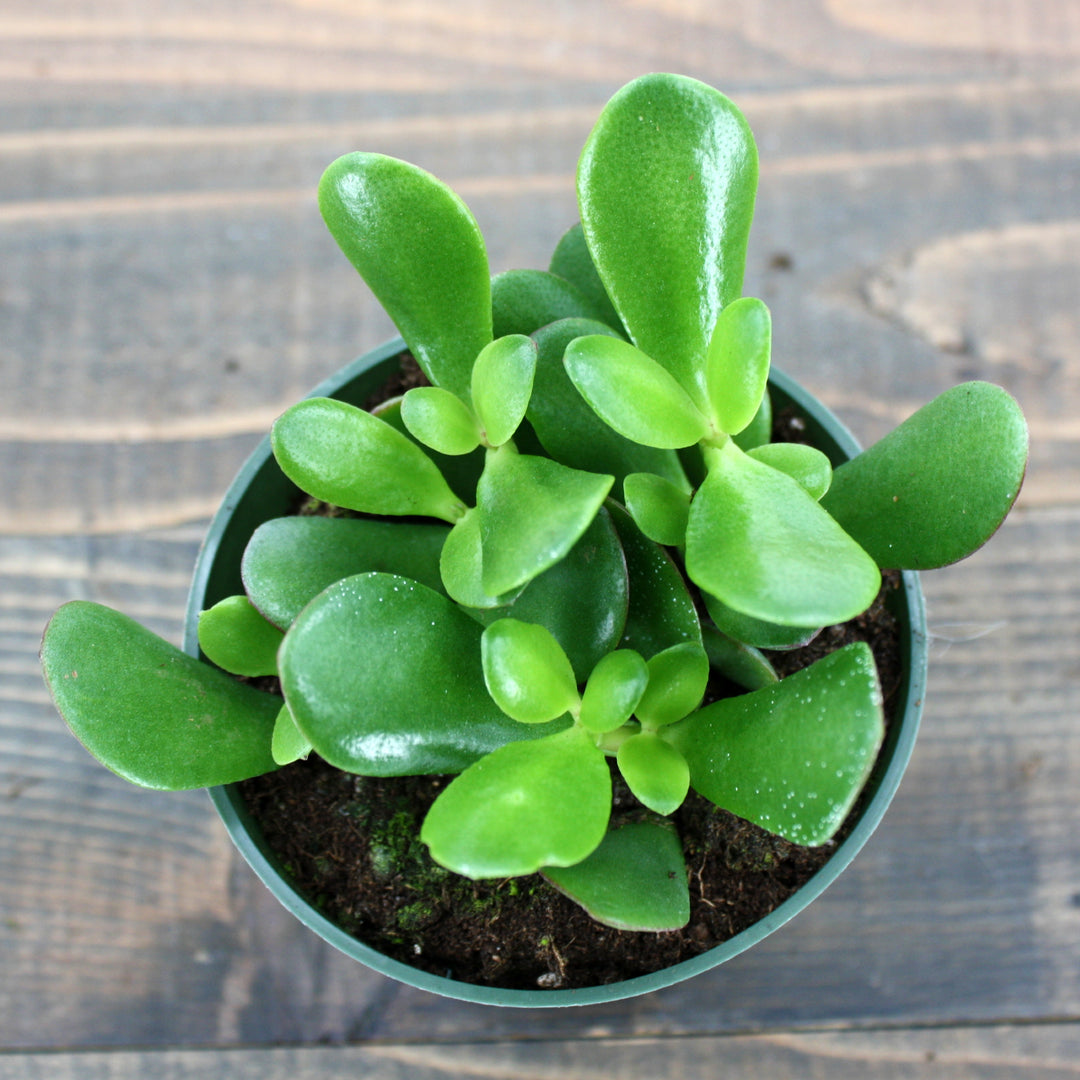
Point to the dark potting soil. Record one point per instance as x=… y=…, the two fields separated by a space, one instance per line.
x=351 y=845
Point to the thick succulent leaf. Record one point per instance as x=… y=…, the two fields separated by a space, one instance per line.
x=742 y=664
x=635 y=879
x=524 y=300
x=571 y=260
x=759 y=431
x=383 y=677
x=654 y=771
x=613 y=691
x=569 y=429
x=502 y=381
x=461 y=566
x=632 y=393
x=666 y=186
x=419 y=249
x=236 y=637
x=794 y=756
x=288 y=561
x=659 y=507
x=288 y=744
x=763 y=546
x=806 y=465
x=527 y=805
x=737 y=364
x=757 y=632
x=661 y=611
x=149 y=712
x=532 y=512
x=348 y=457
x=938 y=486
x=440 y=419
x=526 y=671
x=677 y=680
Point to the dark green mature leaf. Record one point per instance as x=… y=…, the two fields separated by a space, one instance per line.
x=149 y=712
x=289 y=743
x=757 y=632
x=383 y=677
x=502 y=381
x=289 y=561
x=544 y=803
x=806 y=465
x=666 y=186
x=677 y=680
x=440 y=419
x=660 y=508
x=794 y=756
x=526 y=671
x=571 y=260
x=759 y=431
x=654 y=771
x=737 y=365
x=350 y=458
x=461 y=565
x=759 y=543
x=532 y=512
x=419 y=249
x=236 y=637
x=938 y=486
x=635 y=879
x=524 y=300
x=737 y=661
x=613 y=691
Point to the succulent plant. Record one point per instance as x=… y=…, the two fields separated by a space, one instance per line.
x=556 y=544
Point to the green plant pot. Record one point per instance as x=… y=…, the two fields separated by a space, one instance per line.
x=261 y=491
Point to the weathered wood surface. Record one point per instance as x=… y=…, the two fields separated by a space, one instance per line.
x=166 y=288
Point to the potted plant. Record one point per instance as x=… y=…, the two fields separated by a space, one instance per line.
x=578 y=531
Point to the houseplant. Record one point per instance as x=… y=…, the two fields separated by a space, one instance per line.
x=538 y=412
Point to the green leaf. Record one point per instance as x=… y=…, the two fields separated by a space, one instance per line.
x=737 y=363
x=654 y=771
x=938 y=486
x=288 y=744
x=571 y=260
x=502 y=381
x=632 y=393
x=149 y=712
x=659 y=507
x=524 y=300
x=350 y=458
x=419 y=249
x=759 y=431
x=741 y=663
x=440 y=420
x=677 y=680
x=527 y=672
x=528 y=805
x=532 y=512
x=383 y=677
x=806 y=465
x=764 y=547
x=237 y=638
x=635 y=879
x=613 y=691
x=288 y=561
x=666 y=186
x=461 y=565
x=794 y=756
x=757 y=632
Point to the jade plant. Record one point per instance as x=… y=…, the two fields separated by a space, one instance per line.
x=553 y=553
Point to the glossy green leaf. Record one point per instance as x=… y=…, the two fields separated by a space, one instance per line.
x=383 y=677
x=526 y=671
x=544 y=803
x=236 y=637
x=794 y=756
x=569 y=429
x=759 y=431
x=149 y=712
x=502 y=381
x=938 y=486
x=461 y=566
x=659 y=507
x=654 y=771
x=758 y=633
x=632 y=393
x=737 y=363
x=288 y=744
x=743 y=664
x=571 y=260
x=666 y=186
x=288 y=561
x=532 y=512
x=350 y=458
x=677 y=680
x=440 y=420
x=806 y=465
x=759 y=543
x=524 y=300
x=419 y=249
x=613 y=691
x=635 y=879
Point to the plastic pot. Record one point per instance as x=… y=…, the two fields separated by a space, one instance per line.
x=261 y=491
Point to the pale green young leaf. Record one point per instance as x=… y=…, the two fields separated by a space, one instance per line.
x=806 y=465
x=236 y=637
x=677 y=680
x=737 y=363
x=526 y=672
x=613 y=691
x=654 y=771
x=502 y=381
x=759 y=430
x=440 y=419
x=461 y=567
x=659 y=507
x=289 y=743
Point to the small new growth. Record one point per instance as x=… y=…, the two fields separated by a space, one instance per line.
x=560 y=540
